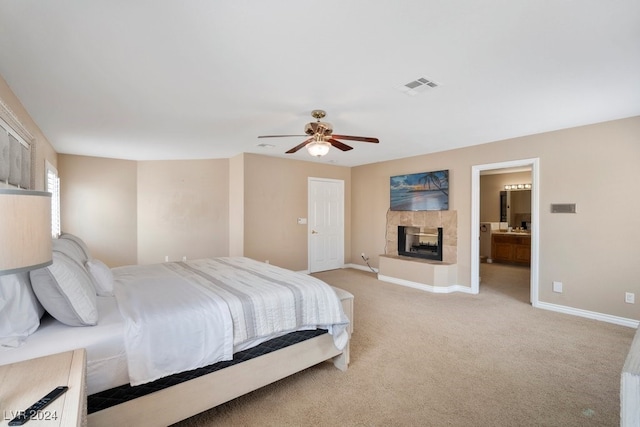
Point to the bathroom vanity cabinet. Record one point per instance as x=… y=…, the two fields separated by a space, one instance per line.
x=511 y=247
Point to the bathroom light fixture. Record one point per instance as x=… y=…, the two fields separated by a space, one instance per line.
x=318 y=147
x=517 y=187
x=25 y=230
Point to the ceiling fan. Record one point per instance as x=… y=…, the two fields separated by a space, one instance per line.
x=322 y=137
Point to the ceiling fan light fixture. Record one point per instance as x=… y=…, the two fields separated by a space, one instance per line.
x=321 y=137
x=318 y=148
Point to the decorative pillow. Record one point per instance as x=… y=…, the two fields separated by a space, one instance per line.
x=70 y=249
x=74 y=251
x=81 y=244
x=20 y=311
x=65 y=290
x=102 y=277
x=78 y=241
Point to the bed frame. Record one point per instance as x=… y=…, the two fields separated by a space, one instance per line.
x=184 y=400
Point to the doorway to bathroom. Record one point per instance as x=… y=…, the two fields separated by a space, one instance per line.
x=531 y=167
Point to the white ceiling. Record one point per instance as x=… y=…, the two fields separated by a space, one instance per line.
x=168 y=79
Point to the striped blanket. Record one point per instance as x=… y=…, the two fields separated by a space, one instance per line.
x=184 y=315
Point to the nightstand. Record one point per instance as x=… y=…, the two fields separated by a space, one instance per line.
x=23 y=383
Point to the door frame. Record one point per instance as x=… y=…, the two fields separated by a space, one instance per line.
x=341 y=214
x=534 y=163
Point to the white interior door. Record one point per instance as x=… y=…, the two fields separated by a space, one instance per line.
x=326 y=224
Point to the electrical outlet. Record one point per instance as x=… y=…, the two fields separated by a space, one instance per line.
x=629 y=297
x=557 y=287
x=364 y=257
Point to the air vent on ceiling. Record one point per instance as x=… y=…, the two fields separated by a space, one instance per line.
x=265 y=145
x=419 y=85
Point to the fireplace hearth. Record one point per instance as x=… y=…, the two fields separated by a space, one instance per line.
x=420 y=242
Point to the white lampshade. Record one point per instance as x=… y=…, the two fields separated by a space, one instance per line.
x=318 y=148
x=25 y=230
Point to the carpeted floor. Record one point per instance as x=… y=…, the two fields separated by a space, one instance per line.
x=423 y=359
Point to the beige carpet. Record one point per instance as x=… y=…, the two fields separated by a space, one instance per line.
x=423 y=359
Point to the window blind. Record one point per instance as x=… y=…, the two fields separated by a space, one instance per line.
x=15 y=158
x=53 y=187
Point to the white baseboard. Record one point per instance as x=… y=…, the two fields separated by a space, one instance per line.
x=423 y=287
x=622 y=321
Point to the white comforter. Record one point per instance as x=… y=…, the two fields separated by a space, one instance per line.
x=185 y=315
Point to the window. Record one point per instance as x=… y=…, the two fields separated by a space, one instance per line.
x=15 y=158
x=52 y=185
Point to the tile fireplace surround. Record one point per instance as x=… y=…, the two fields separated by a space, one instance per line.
x=448 y=220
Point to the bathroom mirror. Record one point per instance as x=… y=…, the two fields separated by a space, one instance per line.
x=515 y=208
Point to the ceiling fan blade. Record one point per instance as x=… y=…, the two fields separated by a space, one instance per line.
x=356 y=138
x=278 y=136
x=339 y=145
x=299 y=146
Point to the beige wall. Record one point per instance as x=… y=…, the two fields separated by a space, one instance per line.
x=43 y=149
x=594 y=252
x=183 y=209
x=236 y=205
x=139 y=212
x=98 y=203
x=188 y=207
x=275 y=196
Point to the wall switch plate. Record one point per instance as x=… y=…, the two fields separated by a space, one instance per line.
x=557 y=287
x=302 y=221
x=629 y=297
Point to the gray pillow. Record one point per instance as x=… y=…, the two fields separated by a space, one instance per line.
x=65 y=290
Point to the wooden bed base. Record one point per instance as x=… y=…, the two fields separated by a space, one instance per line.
x=184 y=400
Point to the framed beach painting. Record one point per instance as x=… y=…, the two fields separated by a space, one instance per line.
x=425 y=191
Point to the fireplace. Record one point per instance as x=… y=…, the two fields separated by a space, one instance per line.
x=420 y=242
x=448 y=220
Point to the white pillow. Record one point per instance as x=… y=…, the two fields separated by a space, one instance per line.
x=65 y=290
x=20 y=311
x=102 y=277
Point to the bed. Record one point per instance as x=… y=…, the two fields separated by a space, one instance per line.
x=197 y=333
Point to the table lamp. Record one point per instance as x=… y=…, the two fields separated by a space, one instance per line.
x=25 y=230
